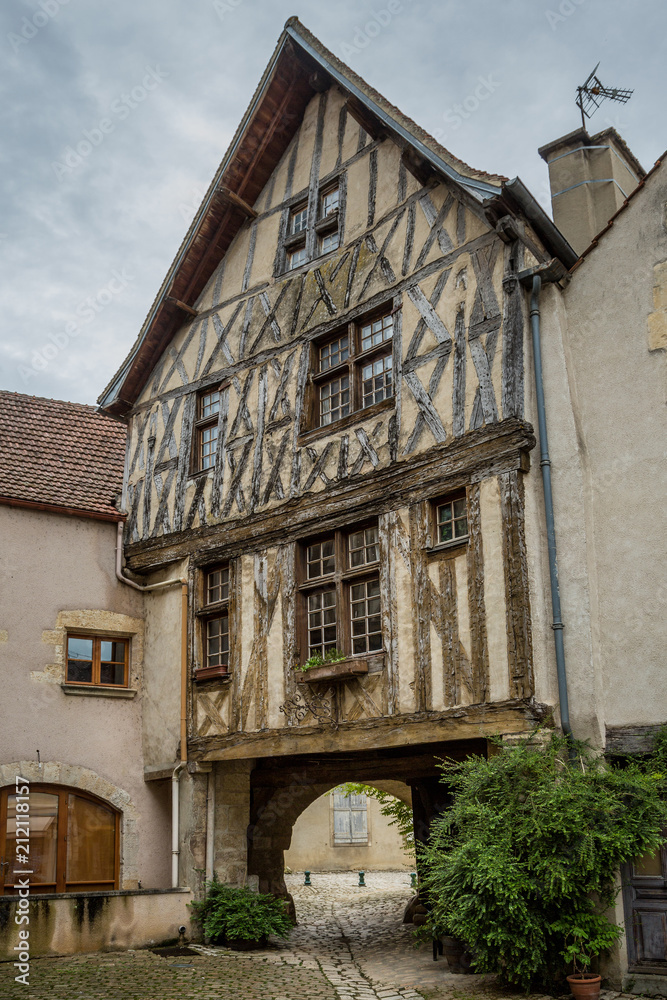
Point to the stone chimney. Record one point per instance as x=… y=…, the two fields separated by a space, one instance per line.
x=590 y=177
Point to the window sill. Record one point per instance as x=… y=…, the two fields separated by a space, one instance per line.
x=341 y=670
x=348 y=421
x=212 y=674
x=455 y=543
x=98 y=692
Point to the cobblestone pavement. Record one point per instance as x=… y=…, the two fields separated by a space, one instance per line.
x=350 y=944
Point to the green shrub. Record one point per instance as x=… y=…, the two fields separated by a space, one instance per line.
x=229 y=913
x=317 y=660
x=524 y=864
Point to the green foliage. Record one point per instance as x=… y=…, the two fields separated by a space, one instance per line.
x=399 y=813
x=523 y=866
x=317 y=660
x=229 y=913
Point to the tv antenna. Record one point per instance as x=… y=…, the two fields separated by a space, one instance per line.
x=591 y=94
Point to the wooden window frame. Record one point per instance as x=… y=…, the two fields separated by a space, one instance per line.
x=340 y=580
x=318 y=226
x=209 y=611
x=201 y=424
x=61 y=884
x=352 y=366
x=97 y=640
x=449 y=498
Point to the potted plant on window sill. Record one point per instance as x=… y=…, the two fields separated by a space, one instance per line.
x=333 y=666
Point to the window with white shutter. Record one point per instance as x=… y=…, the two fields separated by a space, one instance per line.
x=350 y=824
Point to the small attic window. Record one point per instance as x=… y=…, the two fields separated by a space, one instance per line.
x=312 y=229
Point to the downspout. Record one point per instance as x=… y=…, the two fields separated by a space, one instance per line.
x=210 y=824
x=175 y=788
x=545 y=465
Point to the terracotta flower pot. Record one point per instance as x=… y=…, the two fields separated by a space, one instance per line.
x=246 y=944
x=585 y=985
x=456 y=954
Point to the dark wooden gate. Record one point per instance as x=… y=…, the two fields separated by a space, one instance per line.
x=645 y=902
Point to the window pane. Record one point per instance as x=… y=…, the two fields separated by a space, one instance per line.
x=217 y=585
x=297 y=258
x=334 y=400
x=112 y=673
x=209 y=404
x=365 y=616
x=112 y=652
x=329 y=202
x=364 y=547
x=329 y=242
x=43 y=836
x=299 y=220
x=79 y=649
x=377 y=332
x=91 y=834
x=322 y=632
x=452 y=520
x=321 y=559
x=334 y=353
x=217 y=641
x=208 y=446
x=80 y=671
x=376 y=381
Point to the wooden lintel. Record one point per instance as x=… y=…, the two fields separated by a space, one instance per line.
x=182 y=305
x=231 y=196
x=472 y=722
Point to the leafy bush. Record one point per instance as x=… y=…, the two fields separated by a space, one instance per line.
x=317 y=660
x=228 y=913
x=399 y=813
x=524 y=864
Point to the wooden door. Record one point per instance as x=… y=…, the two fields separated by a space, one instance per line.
x=645 y=903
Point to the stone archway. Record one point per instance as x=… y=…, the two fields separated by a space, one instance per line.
x=283 y=787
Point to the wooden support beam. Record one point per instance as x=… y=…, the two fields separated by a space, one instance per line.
x=370 y=124
x=182 y=305
x=232 y=197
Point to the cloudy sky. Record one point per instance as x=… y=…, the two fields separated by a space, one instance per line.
x=154 y=90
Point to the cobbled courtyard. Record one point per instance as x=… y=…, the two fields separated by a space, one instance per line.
x=350 y=944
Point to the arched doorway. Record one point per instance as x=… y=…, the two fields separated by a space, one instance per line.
x=283 y=787
x=72 y=839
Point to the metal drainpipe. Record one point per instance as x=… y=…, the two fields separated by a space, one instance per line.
x=175 y=787
x=545 y=465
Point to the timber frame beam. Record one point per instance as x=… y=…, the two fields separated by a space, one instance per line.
x=491 y=450
x=463 y=723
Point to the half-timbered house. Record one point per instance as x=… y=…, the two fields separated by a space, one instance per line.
x=330 y=414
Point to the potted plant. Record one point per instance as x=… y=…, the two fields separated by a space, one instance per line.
x=333 y=666
x=238 y=917
x=523 y=867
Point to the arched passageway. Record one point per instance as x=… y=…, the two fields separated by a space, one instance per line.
x=283 y=787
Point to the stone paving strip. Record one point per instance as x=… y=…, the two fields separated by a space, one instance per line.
x=350 y=944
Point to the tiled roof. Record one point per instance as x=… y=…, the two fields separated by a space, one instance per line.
x=60 y=454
